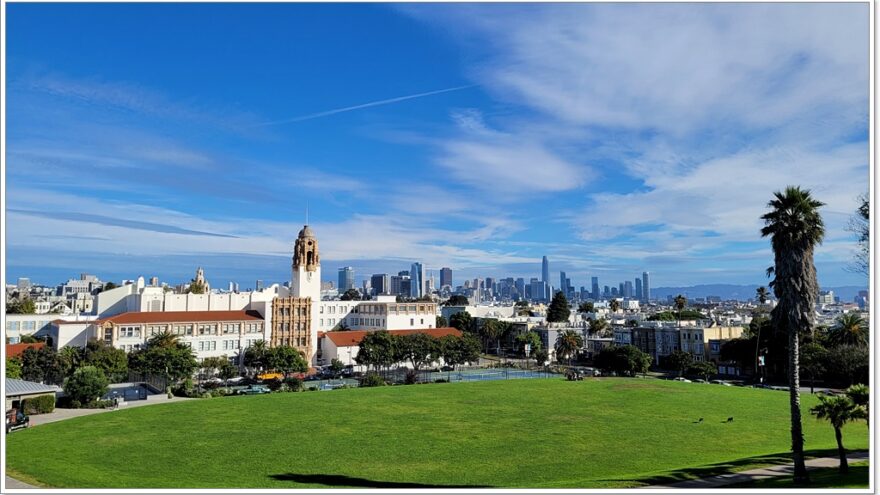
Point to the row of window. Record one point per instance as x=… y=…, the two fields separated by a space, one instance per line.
x=297 y=311
x=378 y=308
x=202 y=329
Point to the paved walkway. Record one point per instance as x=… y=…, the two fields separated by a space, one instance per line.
x=760 y=473
x=62 y=414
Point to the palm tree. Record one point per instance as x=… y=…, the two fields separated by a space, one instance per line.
x=838 y=410
x=568 y=342
x=680 y=303
x=762 y=295
x=614 y=304
x=599 y=326
x=860 y=395
x=795 y=227
x=850 y=329
x=164 y=339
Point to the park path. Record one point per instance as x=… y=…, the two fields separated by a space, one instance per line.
x=62 y=414
x=759 y=473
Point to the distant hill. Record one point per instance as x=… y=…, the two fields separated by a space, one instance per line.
x=740 y=292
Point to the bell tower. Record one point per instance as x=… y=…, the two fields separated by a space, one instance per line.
x=306 y=267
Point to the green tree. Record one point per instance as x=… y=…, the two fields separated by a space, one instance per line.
x=568 y=343
x=624 y=360
x=350 y=295
x=558 y=311
x=112 y=361
x=704 y=369
x=860 y=225
x=441 y=322
x=522 y=308
x=461 y=320
x=166 y=356
x=848 y=363
x=541 y=356
x=795 y=228
x=586 y=307
x=850 y=329
x=86 y=384
x=532 y=339
x=110 y=286
x=600 y=327
x=24 y=306
x=286 y=359
x=614 y=305
x=227 y=370
x=417 y=348
x=196 y=287
x=377 y=349
x=457 y=300
x=13 y=368
x=838 y=410
x=679 y=361
x=336 y=366
x=812 y=361
x=680 y=302
x=256 y=355
x=41 y=365
x=70 y=358
x=860 y=394
x=492 y=330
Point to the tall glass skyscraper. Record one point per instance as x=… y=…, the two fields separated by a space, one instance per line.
x=639 y=289
x=545 y=270
x=346 y=278
x=417 y=280
x=595 y=288
x=446 y=277
x=646 y=287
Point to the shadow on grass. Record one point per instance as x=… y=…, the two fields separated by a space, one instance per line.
x=727 y=467
x=349 y=481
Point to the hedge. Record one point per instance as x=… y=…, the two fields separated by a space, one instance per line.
x=42 y=404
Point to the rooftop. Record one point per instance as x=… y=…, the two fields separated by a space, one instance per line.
x=353 y=338
x=182 y=316
x=22 y=387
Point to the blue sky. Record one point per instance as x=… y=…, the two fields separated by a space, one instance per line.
x=614 y=138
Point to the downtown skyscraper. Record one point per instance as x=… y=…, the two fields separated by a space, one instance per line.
x=545 y=270
x=646 y=287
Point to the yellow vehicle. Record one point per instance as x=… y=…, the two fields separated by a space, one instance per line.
x=270 y=375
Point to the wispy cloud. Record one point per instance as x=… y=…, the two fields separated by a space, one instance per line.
x=377 y=103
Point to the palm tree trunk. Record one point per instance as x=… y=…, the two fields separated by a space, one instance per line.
x=797 y=434
x=844 y=466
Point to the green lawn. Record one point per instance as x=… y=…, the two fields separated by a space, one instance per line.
x=608 y=432
x=858 y=477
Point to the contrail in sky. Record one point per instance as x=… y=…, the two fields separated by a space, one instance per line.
x=363 y=105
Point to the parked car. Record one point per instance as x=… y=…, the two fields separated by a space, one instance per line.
x=699 y=380
x=254 y=390
x=271 y=375
x=16 y=420
x=721 y=382
x=681 y=379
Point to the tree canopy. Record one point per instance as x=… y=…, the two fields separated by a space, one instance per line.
x=558 y=310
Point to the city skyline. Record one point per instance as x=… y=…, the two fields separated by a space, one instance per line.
x=462 y=127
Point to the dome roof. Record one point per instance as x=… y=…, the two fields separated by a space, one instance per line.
x=306 y=232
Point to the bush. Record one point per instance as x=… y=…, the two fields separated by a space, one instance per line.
x=312 y=389
x=294 y=384
x=99 y=404
x=86 y=384
x=411 y=378
x=441 y=380
x=74 y=404
x=274 y=384
x=39 y=405
x=372 y=379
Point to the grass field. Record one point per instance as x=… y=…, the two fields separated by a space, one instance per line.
x=607 y=432
x=858 y=477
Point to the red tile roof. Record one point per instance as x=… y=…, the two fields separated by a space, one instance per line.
x=13 y=350
x=353 y=338
x=182 y=316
